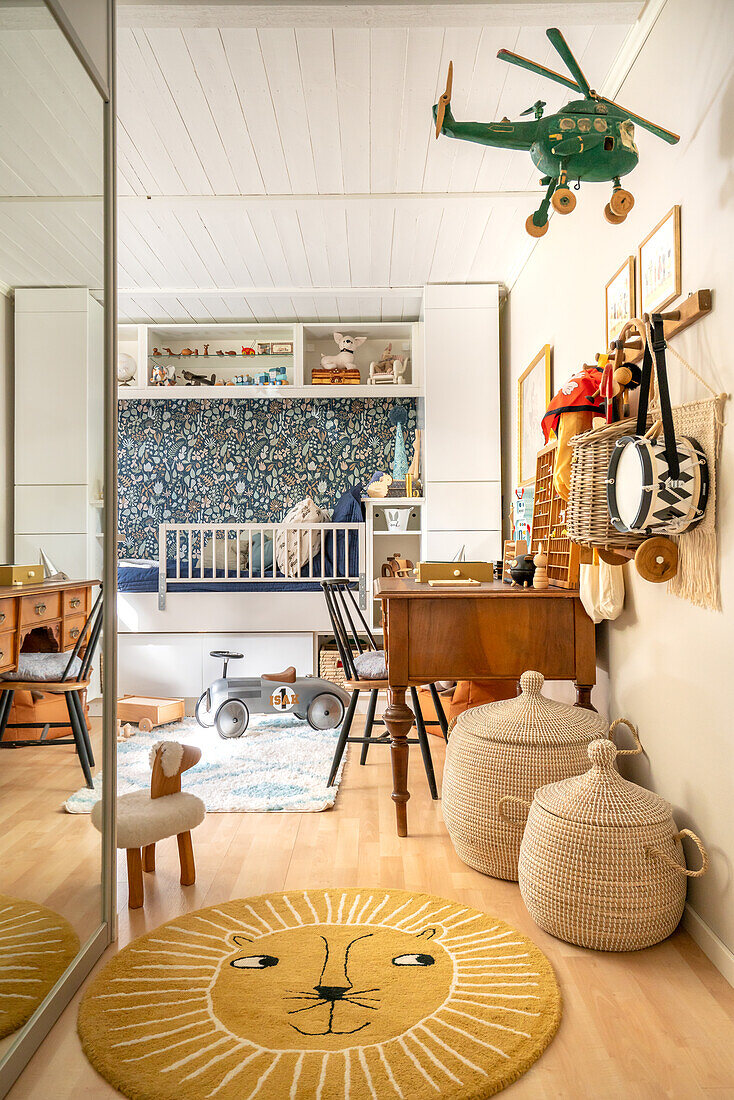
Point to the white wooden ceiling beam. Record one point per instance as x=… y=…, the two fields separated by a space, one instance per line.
x=275 y=291
x=158 y=202
x=336 y=13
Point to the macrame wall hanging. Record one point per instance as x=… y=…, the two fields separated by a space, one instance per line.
x=697 y=578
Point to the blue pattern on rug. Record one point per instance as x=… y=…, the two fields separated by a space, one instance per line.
x=227 y=461
x=279 y=765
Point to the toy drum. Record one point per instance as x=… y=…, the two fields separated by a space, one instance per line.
x=642 y=495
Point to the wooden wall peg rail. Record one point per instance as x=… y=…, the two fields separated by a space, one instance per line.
x=486 y=632
x=690 y=310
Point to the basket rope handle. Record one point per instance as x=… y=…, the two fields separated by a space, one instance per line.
x=633 y=730
x=676 y=866
x=506 y=800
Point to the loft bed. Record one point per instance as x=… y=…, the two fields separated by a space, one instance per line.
x=221 y=577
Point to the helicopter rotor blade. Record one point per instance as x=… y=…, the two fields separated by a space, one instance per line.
x=533 y=67
x=659 y=131
x=445 y=99
x=562 y=47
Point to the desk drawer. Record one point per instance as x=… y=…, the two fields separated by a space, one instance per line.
x=7 y=644
x=8 y=614
x=73 y=628
x=41 y=608
x=75 y=601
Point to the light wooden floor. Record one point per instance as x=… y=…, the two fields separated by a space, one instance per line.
x=659 y=1023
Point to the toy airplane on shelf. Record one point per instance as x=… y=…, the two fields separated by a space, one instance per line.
x=590 y=139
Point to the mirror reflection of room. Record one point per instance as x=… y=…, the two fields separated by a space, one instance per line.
x=51 y=501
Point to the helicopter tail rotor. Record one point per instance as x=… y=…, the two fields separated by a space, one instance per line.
x=445 y=99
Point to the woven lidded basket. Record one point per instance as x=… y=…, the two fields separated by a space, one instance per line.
x=587 y=517
x=601 y=862
x=512 y=746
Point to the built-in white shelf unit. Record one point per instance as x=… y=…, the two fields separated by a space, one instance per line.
x=161 y=347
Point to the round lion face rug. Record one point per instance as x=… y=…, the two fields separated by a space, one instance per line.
x=322 y=995
x=36 y=946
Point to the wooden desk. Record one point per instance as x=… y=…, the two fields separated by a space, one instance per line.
x=489 y=632
x=46 y=616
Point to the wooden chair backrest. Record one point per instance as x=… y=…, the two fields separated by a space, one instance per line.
x=162 y=784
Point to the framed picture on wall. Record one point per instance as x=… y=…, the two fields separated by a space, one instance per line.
x=533 y=398
x=619 y=298
x=658 y=264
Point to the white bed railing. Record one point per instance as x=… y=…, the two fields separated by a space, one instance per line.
x=221 y=553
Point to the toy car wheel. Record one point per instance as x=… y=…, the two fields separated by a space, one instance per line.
x=325 y=712
x=203 y=712
x=232 y=718
x=145 y=725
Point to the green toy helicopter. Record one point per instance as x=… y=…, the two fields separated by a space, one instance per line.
x=590 y=139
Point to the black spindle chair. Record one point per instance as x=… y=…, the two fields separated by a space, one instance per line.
x=350 y=630
x=72 y=681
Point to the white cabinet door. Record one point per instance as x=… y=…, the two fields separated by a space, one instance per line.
x=159 y=665
x=260 y=653
x=462 y=395
x=50 y=399
x=478 y=545
x=466 y=505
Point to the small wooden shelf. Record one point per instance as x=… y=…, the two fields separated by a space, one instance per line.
x=262 y=393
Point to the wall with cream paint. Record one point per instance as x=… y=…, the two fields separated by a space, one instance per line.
x=670 y=664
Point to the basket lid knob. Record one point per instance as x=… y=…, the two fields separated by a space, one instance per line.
x=531 y=683
x=602 y=753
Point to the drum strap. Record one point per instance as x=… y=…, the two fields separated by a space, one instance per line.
x=666 y=413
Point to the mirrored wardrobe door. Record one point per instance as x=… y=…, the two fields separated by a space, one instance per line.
x=57 y=660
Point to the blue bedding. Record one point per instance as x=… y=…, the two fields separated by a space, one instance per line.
x=144 y=578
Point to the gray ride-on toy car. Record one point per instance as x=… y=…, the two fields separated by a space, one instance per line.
x=228 y=702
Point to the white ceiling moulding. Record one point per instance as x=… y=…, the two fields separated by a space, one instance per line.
x=390 y=198
x=273 y=291
x=236 y=13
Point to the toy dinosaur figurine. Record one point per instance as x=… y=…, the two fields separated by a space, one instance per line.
x=591 y=140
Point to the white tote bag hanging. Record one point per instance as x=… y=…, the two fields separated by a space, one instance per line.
x=601 y=589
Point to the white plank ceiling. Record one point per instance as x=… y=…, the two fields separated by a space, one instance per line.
x=324 y=134
x=51 y=157
x=282 y=172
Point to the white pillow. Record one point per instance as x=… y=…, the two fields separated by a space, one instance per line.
x=292 y=550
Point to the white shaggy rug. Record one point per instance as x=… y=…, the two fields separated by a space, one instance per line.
x=280 y=764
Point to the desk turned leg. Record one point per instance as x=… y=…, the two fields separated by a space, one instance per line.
x=583 y=696
x=399 y=718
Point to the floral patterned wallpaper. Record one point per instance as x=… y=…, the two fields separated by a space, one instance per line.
x=230 y=461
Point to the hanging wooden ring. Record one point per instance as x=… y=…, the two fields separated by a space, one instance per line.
x=656 y=559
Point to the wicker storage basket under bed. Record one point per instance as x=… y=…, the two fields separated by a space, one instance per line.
x=330 y=666
x=512 y=746
x=601 y=863
x=587 y=517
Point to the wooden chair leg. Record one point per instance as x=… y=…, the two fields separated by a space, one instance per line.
x=186 y=856
x=343 y=735
x=6 y=701
x=440 y=712
x=149 y=857
x=423 y=742
x=81 y=748
x=368 y=724
x=135 y=891
x=83 y=726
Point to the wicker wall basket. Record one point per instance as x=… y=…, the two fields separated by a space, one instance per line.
x=601 y=862
x=587 y=517
x=512 y=746
x=330 y=666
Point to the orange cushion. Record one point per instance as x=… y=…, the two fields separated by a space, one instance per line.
x=37 y=707
x=474 y=693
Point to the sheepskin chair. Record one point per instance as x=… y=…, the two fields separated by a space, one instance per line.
x=144 y=818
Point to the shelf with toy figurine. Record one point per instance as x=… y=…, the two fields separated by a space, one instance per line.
x=268 y=393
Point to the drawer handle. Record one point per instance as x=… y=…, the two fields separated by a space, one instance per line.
x=2 y=616
x=1 y=654
x=74 y=633
x=75 y=602
x=40 y=608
